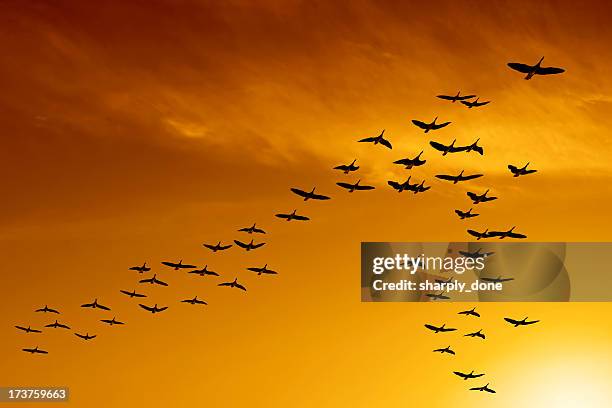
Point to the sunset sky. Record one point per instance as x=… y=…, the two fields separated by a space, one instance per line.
x=136 y=131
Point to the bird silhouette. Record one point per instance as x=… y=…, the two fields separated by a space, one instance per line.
x=264 y=269
x=440 y=329
x=483 y=388
x=57 y=325
x=507 y=234
x=250 y=246
x=179 y=265
x=471 y=312
x=347 y=168
x=479 y=235
x=446 y=350
x=474 y=104
x=479 y=333
x=132 y=294
x=437 y=296
x=536 y=69
x=405 y=186
x=459 y=177
x=410 y=163
x=292 y=216
x=252 y=230
x=421 y=188
x=466 y=214
x=516 y=172
x=518 y=323
x=378 y=139
x=482 y=198
x=35 y=350
x=141 y=269
x=455 y=98
x=429 y=126
x=85 y=336
x=217 y=247
x=499 y=279
x=154 y=281
x=476 y=254
x=467 y=376
x=28 y=329
x=355 y=187
x=204 y=271
x=95 y=305
x=473 y=147
x=153 y=309
x=233 y=284
x=112 y=321
x=309 y=195
x=194 y=301
x=446 y=149
x=47 y=310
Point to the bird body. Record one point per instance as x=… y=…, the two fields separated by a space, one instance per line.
x=516 y=172
x=47 y=310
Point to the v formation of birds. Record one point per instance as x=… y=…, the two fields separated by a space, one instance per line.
x=306 y=195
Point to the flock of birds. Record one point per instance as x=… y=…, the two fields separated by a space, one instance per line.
x=415 y=188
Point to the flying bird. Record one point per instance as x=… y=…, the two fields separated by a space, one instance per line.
x=153 y=281
x=250 y=245
x=484 y=388
x=217 y=247
x=194 y=301
x=482 y=198
x=95 y=305
x=133 y=294
x=476 y=254
x=204 y=271
x=252 y=229
x=28 y=329
x=309 y=195
x=451 y=148
x=446 y=350
x=472 y=104
x=179 y=265
x=111 y=322
x=499 y=279
x=378 y=139
x=292 y=216
x=455 y=98
x=442 y=328
x=153 y=309
x=479 y=333
x=474 y=146
x=466 y=214
x=421 y=188
x=479 y=235
x=57 y=325
x=347 y=168
x=471 y=312
x=430 y=126
x=467 y=376
x=507 y=234
x=518 y=323
x=264 y=269
x=536 y=69
x=438 y=296
x=410 y=163
x=85 y=336
x=520 y=171
x=459 y=177
x=47 y=310
x=405 y=186
x=233 y=284
x=141 y=269
x=355 y=187
x=35 y=350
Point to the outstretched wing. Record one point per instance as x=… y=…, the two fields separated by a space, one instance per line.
x=464 y=97
x=394 y=184
x=225 y=284
x=146 y=280
x=320 y=197
x=481 y=103
x=211 y=247
x=224 y=247
x=276 y=215
x=103 y=307
x=474 y=233
x=517 y=235
x=511 y=321
x=255 y=246
x=517 y=66
x=440 y=125
x=259 y=231
x=187 y=266
x=549 y=70
x=471 y=177
x=160 y=282
x=386 y=143
x=420 y=124
x=345 y=185
x=446 y=329
x=531 y=322
x=367 y=139
x=432 y=327
x=243 y=245
x=360 y=187
x=161 y=309
x=239 y=286
x=342 y=167
x=147 y=308
x=460 y=374
x=446 y=177
x=88 y=305
x=438 y=146
x=170 y=264
x=299 y=192
x=299 y=218
x=447 y=97
x=513 y=169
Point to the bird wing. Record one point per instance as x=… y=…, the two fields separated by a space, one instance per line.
x=512 y=321
x=440 y=125
x=517 y=66
x=88 y=305
x=394 y=184
x=446 y=329
x=506 y=279
x=512 y=168
x=299 y=192
x=170 y=264
x=446 y=97
x=473 y=196
x=255 y=246
x=145 y=307
x=438 y=146
x=471 y=176
x=320 y=197
x=259 y=231
x=146 y=280
x=531 y=322
x=103 y=307
x=478 y=149
x=342 y=167
x=22 y=328
x=276 y=215
x=450 y=351
x=367 y=139
x=79 y=335
x=474 y=233
x=386 y=143
x=460 y=374
x=481 y=103
x=487 y=389
x=140 y=295
x=40 y=351
x=476 y=389
x=255 y=269
x=485 y=199
x=239 y=286
x=225 y=284
x=200 y=302
x=63 y=326
x=160 y=282
x=126 y=292
x=360 y=187
x=243 y=245
x=467 y=103
x=224 y=247
x=446 y=177
x=517 y=235
x=420 y=124
x=530 y=171
x=549 y=70
x=476 y=375
x=161 y=309
x=345 y=185
x=211 y=247
x=464 y=97
x=187 y=266
x=432 y=327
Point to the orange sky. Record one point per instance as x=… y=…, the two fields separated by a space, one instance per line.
x=138 y=131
